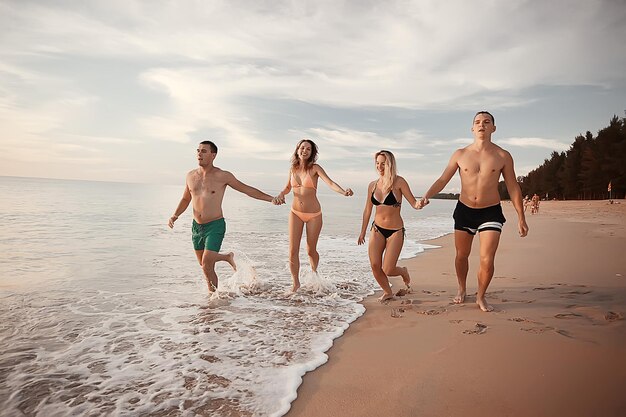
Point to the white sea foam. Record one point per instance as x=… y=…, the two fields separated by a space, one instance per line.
x=122 y=324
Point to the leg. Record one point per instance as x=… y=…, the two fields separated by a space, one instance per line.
x=376 y=248
x=463 y=244
x=208 y=267
x=295 y=234
x=392 y=253
x=208 y=257
x=489 y=240
x=313 y=229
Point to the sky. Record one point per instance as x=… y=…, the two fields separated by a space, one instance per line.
x=124 y=90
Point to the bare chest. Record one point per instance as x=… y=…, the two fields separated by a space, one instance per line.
x=480 y=166
x=202 y=187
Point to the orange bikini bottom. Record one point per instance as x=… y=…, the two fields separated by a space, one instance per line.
x=305 y=217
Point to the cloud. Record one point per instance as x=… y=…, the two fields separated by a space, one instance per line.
x=192 y=65
x=551 y=144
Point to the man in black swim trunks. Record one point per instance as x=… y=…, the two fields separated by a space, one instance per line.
x=478 y=209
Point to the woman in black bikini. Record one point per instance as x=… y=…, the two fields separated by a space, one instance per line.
x=387 y=231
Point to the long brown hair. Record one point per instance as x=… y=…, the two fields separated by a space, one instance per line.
x=295 y=161
x=390 y=173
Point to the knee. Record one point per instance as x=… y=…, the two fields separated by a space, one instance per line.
x=486 y=262
x=377 y=266
x=207 y=264
x=388 y=270
x=462 y=255
x=311 y=252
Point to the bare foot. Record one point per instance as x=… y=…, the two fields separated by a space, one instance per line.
x=406 y=278
x=385 y=297
x=230 y=258
x=460 y=297
x=483 y=304
x=295 y=286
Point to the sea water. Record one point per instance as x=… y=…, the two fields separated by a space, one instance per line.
x=104 y=309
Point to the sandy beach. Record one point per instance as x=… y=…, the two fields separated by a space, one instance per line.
x=554 y=346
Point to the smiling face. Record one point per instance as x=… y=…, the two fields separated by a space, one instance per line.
x=381 y=161
x=304 y=151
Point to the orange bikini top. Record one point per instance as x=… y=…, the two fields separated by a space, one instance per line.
x=307 y=181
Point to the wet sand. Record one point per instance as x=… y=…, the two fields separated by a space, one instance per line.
x=555 y=344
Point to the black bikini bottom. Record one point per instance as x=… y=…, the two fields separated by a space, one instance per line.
x=387 y=232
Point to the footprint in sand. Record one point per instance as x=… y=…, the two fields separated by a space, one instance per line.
x=455 y=321
x=564 y=333
x=523 y=320
x=567 y=315
x=613 y=316
x=396 y=313
x=478 y=329
x=578 y=292
x=402 y=292
x=542 y=288
x=506 y=300
x=432 y=312
x=537 y=329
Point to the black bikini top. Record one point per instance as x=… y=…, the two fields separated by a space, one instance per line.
x=389 y=200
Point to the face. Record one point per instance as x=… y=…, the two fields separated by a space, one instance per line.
x=205 y=156
x=380 y=164
x=304 y=151
x=483 y=126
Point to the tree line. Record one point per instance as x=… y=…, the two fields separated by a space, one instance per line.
x=584 y=171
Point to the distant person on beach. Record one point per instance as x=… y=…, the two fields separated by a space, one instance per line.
x=534 y=204
x=387 y=230
x=526 y=202
x=305 y=209
x=204 y=188
x=478 y=210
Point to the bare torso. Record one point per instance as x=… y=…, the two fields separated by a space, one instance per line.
x=305 y=198
x=207 y=192
x=388 y=216
x=480 y=171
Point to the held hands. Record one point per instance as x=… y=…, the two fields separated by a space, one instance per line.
x=348 y=192
x=278 y=200
x=421 y=203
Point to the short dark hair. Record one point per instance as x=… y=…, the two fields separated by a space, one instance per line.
x=211 y=144
x=493 y=119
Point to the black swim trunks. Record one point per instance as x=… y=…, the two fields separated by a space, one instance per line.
x=473 y=220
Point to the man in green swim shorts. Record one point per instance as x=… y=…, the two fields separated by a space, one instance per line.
x=204 y=188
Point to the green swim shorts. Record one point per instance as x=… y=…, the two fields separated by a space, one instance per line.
x=208 y=236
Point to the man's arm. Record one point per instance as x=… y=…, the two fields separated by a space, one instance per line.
x=510 y=180
x=237 y=185
x=182 y=206
x=443 y=180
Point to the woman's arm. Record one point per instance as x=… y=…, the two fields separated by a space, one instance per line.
x=332 y=184
x=286 y=190
x=405 y=189
x=367 y=213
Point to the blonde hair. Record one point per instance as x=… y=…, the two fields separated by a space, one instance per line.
x=390 y=173
x=295 y=161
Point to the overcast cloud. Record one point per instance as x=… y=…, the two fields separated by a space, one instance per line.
x=124 y=90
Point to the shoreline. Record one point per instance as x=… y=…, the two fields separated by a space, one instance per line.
x=560 y=300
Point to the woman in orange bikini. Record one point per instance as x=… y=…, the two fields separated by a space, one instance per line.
x=305 y=209
x=387 y=231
